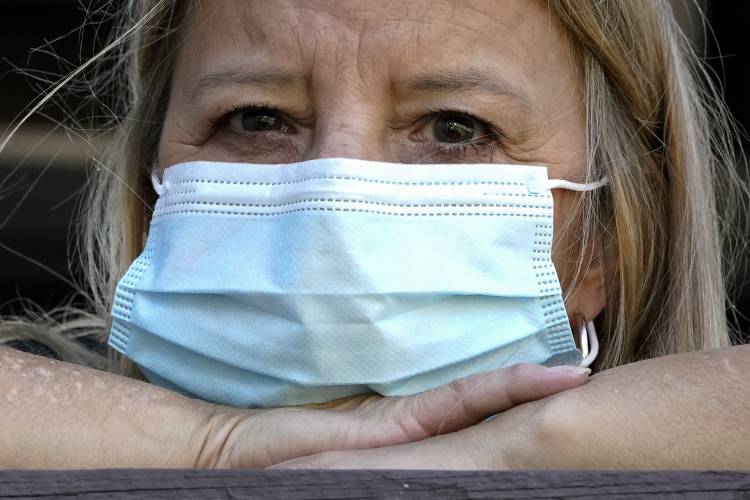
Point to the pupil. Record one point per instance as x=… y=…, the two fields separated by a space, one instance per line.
x=258 y=121
x=453 y=129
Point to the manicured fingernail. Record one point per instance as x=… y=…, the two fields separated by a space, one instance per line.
x=573 y=369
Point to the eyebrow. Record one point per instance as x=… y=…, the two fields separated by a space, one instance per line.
x=266 y=78
x=469 y=82
x=466 y=81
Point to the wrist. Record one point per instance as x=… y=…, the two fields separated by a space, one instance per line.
x=165 y=429
x=216 y=426
x=177 y=430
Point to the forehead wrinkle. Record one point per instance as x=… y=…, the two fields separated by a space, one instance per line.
x=467 y=82
x=241 y=78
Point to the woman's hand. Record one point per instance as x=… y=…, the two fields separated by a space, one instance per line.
x=502 y=443
x=683 y=411
x=261 y=438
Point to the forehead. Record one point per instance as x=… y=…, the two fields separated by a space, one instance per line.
x=396 y=36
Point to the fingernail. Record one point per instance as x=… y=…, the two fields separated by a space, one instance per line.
x=573 y=369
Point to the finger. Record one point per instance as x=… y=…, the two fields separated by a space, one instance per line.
x=435 y=453
x=469 y=400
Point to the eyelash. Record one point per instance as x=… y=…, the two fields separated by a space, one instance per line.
x=223 y=120
x=482 y=145
x=492 y=135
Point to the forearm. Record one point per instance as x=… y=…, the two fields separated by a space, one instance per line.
x=59 y=415
x=681 y=411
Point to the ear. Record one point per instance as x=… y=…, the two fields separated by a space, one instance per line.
x=581 y=270
x=586 y=300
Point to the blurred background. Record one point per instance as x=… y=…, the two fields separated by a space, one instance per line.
x=37 y=203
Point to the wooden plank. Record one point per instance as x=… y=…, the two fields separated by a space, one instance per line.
x=220 y=484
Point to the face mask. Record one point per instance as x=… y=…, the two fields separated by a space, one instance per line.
x=276 y=285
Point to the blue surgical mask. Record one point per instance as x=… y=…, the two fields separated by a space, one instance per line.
x=276 y=285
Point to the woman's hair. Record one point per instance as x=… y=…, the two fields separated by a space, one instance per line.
x=655 y=125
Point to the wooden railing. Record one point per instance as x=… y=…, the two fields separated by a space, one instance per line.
x=312 y=484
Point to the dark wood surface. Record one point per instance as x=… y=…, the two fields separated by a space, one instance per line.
x=234 y=484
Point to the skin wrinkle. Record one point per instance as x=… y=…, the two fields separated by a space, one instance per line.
x=362 y=59
x=269 y=78
x=467 y=81
x=340 y=16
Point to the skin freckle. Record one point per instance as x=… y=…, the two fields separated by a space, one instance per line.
x=71 y=370
x=728 y=366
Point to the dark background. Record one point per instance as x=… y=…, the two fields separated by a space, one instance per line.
x=36 y=224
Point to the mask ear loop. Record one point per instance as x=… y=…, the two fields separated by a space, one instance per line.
x=575 y=186
x=159 y=187
x=589 y=343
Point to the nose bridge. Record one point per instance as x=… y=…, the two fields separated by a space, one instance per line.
x=351 y=114
x=350 y=132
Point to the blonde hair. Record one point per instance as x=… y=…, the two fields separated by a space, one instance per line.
x=656 y=126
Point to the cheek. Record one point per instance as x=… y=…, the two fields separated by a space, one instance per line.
x=177 y=142
x=172 y=152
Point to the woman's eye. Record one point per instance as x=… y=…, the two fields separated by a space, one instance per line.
x=258 y=120
x=454 y=128
x=454 y=136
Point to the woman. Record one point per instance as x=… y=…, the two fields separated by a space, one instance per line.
x=591 y=90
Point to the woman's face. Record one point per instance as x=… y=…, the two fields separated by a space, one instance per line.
x=417 y=81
